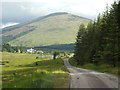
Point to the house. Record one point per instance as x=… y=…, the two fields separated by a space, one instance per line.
x=39 y=51
x=31 y=50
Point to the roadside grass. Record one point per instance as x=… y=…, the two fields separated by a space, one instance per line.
x=104 y=68
x=25 y=71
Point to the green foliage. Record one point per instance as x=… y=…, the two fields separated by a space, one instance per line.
x=98 y=42
x=104 y=68
x=60 y=47
x=79 y=42
x=21 y=71
x=8 y=48
x=55 y=54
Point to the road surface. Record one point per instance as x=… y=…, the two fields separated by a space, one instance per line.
x=83 y=78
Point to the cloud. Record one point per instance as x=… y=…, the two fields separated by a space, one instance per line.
x=8 y=24
x=87 y=8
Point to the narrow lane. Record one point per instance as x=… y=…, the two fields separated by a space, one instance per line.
x=83 y=78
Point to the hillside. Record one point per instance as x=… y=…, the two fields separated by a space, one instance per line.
x=56 y=28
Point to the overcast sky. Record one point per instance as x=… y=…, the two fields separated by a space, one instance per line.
x=23 y=10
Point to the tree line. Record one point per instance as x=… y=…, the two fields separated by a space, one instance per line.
x=98 y=42
x=8 y=48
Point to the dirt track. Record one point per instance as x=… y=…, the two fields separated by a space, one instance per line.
x=83 y=78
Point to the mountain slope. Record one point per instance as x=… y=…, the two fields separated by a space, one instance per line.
x=56 y=28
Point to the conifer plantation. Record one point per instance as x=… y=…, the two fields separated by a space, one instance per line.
x=98 y=43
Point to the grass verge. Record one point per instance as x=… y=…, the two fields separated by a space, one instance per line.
x=104 y=68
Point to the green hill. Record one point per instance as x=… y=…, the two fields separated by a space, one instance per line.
x=56 y=28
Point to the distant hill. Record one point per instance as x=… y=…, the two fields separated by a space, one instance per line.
x=55 y=28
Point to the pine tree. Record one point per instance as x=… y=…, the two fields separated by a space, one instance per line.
x=98 y=42
x=78 y=47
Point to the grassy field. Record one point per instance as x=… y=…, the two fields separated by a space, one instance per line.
x=104 y=68
x=25 y=71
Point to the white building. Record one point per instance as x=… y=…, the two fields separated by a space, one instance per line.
x=39 y=51
x=31 y=50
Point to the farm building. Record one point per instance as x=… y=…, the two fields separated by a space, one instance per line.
x=31 y=50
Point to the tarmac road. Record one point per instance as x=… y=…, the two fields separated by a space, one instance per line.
x=83 y=78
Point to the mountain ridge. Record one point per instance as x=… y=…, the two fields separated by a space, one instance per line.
x=39 y=18
x=54 y=28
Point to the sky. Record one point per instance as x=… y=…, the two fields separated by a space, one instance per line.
x=19 y=11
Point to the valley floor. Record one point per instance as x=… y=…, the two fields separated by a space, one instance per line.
x=25 y=71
